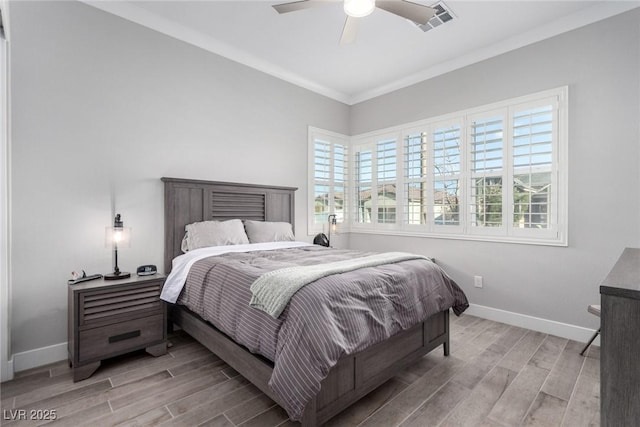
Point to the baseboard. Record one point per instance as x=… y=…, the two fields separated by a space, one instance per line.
x=40 y=356
x=559 y=329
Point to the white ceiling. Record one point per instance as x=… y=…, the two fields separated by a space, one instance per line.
x=390 y=52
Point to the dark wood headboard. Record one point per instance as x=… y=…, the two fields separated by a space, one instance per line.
x=187 y=201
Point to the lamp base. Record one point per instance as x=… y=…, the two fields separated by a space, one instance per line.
x=117 y=276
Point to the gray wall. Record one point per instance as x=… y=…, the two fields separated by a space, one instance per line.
x=102 y=108
x=601 y=65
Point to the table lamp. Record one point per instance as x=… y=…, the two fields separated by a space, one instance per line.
x=117 y=236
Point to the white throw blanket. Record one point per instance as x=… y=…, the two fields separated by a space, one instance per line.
x=272 y=291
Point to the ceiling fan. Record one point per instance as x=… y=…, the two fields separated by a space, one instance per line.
x=355 y=9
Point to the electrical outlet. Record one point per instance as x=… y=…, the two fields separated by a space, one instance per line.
x=477 y=281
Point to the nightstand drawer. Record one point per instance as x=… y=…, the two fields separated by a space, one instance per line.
x=111 y=339
x=103 y=307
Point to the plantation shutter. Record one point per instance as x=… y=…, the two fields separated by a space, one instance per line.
x=328 y=178
x=446 y=175
x=533 y=167
x=487 y=151
x=340 y=174
x=322 y=180
x=364 y=185
x=386 y=158
x=493 y=173
x=416 y=168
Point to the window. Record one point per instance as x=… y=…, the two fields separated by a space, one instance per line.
x=446 y=175
x=364 y=188
x=386 y=181
x=375 y=184
x=495 y=173
x=328 y=178
x=487 y=172
x=416 y=168
x=532 y=167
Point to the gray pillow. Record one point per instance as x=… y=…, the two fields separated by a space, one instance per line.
x=214 y=233
x=263 y=231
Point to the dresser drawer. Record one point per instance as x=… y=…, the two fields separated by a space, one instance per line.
x=111 y=339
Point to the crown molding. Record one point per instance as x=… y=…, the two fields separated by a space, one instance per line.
x=565 y=24
x=130 y=12
x=140 y=16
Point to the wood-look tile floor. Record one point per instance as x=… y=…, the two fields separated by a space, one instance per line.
x=497 y=375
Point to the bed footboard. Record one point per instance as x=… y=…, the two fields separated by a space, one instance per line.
x=350 y=379
x=356 y=375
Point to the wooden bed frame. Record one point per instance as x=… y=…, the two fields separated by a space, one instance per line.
x=188 y=201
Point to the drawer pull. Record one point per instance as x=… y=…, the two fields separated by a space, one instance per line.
x=125 y=336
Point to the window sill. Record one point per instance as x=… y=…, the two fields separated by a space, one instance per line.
x=479 y=238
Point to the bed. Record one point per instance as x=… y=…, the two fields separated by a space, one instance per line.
x=354 y=375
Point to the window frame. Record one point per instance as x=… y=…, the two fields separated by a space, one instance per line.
x=556 y=235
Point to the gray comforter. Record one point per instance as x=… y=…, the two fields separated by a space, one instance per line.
x=333 y=316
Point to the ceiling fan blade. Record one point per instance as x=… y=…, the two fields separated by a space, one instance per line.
x=417 y=13
x=298 y=5
x=350 y=30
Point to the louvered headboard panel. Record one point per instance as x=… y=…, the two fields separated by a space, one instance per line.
x=237 y=205
x=187 y=201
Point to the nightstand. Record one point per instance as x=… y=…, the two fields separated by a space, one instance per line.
x=109 y=318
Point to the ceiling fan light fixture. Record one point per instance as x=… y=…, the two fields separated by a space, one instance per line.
x=359 y=8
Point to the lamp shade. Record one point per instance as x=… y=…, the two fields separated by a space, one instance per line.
x=359 y=8
x=119 y=236
x=333 y=224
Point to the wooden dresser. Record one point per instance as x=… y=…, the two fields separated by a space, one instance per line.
x=112 y=317
x=620 y=350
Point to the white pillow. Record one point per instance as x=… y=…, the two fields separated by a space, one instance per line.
x=213 y=233
x=263 y=231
